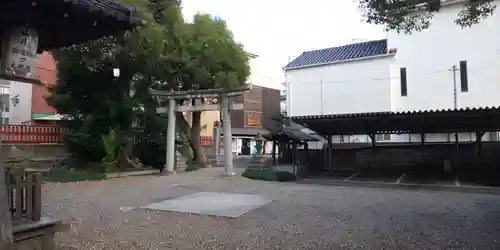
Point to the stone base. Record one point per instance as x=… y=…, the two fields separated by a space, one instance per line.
x=230 y=174
x=167 y=172
x=36 y=236
x=260 y=161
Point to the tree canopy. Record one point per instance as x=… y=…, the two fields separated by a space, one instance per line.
x=164 y=52
x=416 y=15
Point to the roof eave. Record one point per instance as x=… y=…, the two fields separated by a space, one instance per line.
x=340 y=61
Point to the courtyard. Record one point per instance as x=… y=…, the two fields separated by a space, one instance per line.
x=120 y=214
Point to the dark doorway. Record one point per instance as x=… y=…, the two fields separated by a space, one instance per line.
x=245 y=148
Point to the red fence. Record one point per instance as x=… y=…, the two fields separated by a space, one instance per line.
x=31 y=134
x=206 y=140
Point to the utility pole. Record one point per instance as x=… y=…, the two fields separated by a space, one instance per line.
x=454 y=69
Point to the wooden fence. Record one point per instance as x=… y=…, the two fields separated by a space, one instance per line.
x=24 y=194
x=36 y=134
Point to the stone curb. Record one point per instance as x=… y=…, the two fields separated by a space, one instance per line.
x=132 y=173
x=450 y=188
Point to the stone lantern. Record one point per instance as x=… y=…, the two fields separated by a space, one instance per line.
x=259 y=143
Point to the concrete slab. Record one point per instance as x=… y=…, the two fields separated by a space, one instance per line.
x=211 y=203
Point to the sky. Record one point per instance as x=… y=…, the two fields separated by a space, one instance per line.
x=280 y=30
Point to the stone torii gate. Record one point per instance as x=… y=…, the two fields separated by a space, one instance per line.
x=224 y=105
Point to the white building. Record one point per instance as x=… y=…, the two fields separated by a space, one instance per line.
x=15 y=102
x=404 y=72
x=283 y=99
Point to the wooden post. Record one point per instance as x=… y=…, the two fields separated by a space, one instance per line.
x=294 y=151
x=479 y=136
x=422 y=143
x=373 y=138
x=306 y=157
x=329 y=153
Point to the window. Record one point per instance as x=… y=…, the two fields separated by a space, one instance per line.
x=345 y=138
x=382 y=137
x=494 y=136
x=404 y=90
x=4 y=102
x=4 y=121
x=464 y=85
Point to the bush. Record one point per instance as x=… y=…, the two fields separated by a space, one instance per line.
x=269 y=175
x=84 y=146
x=151 y=150
x=112 y=146
x=285 y=176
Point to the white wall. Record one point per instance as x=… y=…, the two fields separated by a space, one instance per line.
x=22 y=111
x=429 y=55
x=341 y=88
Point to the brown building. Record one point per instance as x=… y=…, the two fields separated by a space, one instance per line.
x=259 y=106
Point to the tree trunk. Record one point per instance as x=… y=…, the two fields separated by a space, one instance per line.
x=195 y=141
x=124 y=160
x=6 y=241
x=184 y=128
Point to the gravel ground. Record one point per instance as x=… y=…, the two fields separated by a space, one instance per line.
x=300 y=217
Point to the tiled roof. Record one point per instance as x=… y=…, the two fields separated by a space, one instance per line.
x=334 y=54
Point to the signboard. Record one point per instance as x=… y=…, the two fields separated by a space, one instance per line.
x=19 y=52
x=253 y=122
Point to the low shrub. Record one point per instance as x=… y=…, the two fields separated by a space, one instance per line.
x=285 y=176
x=192 y=166
x=269 y=175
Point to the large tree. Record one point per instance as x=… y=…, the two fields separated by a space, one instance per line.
x=415 y=15
x=162 y=53
x=94 y=100
x=212 y=60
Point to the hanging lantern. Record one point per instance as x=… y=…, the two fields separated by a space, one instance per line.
x=19 y=49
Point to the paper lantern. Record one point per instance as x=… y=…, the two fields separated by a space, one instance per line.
x=19 y=47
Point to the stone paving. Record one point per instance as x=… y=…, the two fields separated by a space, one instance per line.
x=212 y=203
x=104 y=215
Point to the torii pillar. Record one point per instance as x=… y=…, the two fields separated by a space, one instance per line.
x=225 y=107
x=228 y=136
x=170 y=154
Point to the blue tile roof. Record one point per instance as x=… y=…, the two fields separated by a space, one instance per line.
x=334 y=54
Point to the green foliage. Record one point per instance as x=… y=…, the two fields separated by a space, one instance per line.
x=215 y=59
x=415 y=15
x=112 y=146
x=268 y=175
x=151 y=150
x=159 y=54
x=83 y=142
